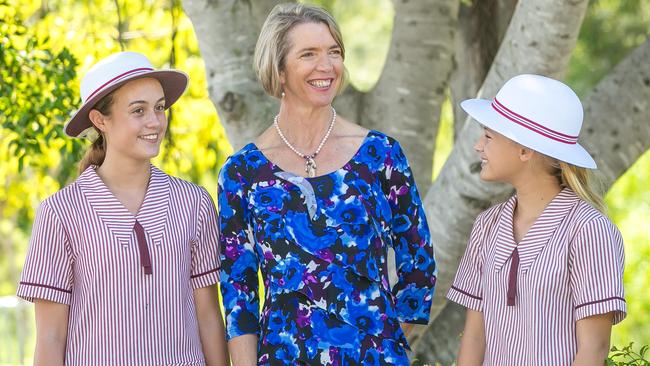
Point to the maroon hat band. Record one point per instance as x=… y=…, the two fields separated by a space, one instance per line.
x=532 y=125
x=117 y=78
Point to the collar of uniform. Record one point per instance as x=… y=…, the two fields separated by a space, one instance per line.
x=537 y=236
x=152 y=214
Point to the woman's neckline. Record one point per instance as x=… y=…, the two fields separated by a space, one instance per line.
x=279 y=168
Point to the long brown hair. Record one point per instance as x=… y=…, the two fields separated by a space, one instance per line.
x=97 y=151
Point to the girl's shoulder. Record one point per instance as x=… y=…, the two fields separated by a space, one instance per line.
x=69 y=194
x=493 y=213
x=181 y=187
x=587 y=216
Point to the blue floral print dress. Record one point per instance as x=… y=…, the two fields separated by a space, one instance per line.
x=321 y=245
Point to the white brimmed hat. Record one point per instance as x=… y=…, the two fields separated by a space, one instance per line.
x=537 y=112
x=112 y=72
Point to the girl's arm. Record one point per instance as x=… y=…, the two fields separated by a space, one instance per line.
x=51 y=332
x=593 y=339
x=472 y=344
x=211 y=329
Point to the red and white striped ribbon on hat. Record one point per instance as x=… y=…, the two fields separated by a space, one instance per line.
x=118 y=78
x=532 y=125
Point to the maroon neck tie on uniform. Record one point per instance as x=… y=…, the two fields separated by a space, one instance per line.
x=145 y=258
x=512 y=278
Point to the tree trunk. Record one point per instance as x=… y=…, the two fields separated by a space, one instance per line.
x=540 y=39
x=481 y=28
x=227 y=31
x=406 y=101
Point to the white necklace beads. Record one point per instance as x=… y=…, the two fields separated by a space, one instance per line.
x=310 y=164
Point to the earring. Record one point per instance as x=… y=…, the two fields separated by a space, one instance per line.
x=282 y=94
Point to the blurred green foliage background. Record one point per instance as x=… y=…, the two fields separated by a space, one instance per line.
x=45 y=45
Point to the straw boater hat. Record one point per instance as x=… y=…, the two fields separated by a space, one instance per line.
x=537 y=112
x=111 y=73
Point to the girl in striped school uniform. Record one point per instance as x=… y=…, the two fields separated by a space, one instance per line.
x=542 y=276
x=122 y=263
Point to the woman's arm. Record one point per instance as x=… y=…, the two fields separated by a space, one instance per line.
x=211 y=330
x=472 y=344
x=411 y=240
x=239 y=265
x=51 y=332
x=593 y=339
x=243 y=350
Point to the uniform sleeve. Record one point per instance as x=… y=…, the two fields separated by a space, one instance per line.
x=239 y=262
x=596 y=270
x=416 y=265
x=205 y=251
x=47 y=273
x=466 y=288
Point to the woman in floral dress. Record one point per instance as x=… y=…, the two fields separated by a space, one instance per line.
x=319 y=224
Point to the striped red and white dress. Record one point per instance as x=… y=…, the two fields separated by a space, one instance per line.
x=570 y=266
x=128 y=280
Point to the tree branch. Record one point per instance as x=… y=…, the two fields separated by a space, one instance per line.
x=120 y=25
x=616 y=129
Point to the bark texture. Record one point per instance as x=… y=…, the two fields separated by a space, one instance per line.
x=481 y=28
x=406 y=101
x=616 y=130
x=227 y=31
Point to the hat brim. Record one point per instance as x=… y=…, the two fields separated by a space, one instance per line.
x=173 y=82
x=481 y=110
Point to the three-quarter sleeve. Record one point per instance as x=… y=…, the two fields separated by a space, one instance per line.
x=596 y=270
x=467 y=289
x=416 y=266
x=239 y=262
x=48 y=272
x=205 y=251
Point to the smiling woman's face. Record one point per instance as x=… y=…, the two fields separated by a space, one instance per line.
x=137 y=121
x=313 y=67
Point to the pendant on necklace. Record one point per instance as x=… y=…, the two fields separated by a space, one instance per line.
x=310 y=167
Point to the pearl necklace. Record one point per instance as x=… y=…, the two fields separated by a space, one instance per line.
x=310 y=163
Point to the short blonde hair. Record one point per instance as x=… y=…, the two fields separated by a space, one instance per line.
x=273 y=43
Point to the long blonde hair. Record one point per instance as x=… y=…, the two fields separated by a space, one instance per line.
x=581 y=182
